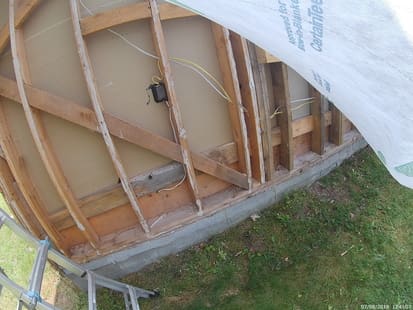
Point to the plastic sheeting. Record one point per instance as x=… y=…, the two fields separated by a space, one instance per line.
x=359 y=54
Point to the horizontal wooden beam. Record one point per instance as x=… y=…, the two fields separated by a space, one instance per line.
x=85 y=117
x=23 y=11
x=130 y=13
x=300 y=127
x=145 y=184
x=106 y=200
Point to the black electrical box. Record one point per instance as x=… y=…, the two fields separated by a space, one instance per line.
x=159 y=92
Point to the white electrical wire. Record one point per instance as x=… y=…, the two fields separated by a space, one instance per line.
x=188 y=66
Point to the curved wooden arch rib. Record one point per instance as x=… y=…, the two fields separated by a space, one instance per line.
x=15 y=200
x=40 y=138
x=178 y=127
x=22 y=177
x=98 y=108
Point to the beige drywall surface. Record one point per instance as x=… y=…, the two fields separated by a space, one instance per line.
x=299 y=89
x=30 y=156
x=205 y=114
x=122 y=75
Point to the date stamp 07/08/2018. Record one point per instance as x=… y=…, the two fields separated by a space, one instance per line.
x=387 y=307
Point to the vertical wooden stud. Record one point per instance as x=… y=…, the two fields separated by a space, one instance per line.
x=231 y=84
x=178 y=127
x=318 y=135
x=263 y=101
x=336 y=133
x=282 y=99
x=249 y=98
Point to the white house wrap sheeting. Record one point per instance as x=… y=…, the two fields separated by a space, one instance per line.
x=359 y=54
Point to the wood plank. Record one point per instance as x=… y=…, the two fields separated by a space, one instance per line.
x=39 y=134
x=113 y=197
x=231 y=85
x=264 y=57
x=23 y=11
x=249 y=98
x=129 y=13
x=98 y=108
x=16 y=202
x=22 y=177
x=260 y=79
x=172 y=103
x=336 y=133
x=318 y=137
x=85 y=117
x=282 y=100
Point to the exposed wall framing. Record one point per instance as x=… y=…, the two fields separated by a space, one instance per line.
x=266 y=147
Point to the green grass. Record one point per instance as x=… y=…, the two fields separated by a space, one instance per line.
x=291 y=258
x=17 y=258
x=343 y=242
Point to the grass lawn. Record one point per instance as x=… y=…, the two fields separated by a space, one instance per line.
x=344 y=242
x=17 y=258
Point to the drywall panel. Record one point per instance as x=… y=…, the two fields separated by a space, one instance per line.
x=30 y=156
x=54 y=66
x=205 y=114
x=299 y=89
x=4 y=13
x=123 y=75
x=97 y=6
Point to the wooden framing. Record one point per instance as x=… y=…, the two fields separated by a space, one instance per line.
x=40 y=136
x=177 y=126
x=282 y=99
x=336 y=131
x=264 y=57
x=15 y=200
x=318 y=136
x=98 y=108
x=130 y=13
x=85 y=117
x=262 y=93
x=20 y=173
x=255 y=151
x=249 y=98
x=23 y=10
x=231 y=84
x=104 y=201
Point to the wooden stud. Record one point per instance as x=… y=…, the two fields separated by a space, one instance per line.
x=336 y=132
x=231 y=84
x=23 y=10
x=282 y=100
x=22 y=176
x=85 y=117
x=130 y=13
x=264 y=57
x=15 y=201
x=98 y=108
x=177 y=126
x=262 y=92
x=318 y=136
x=249 y=98
x=39 y=134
